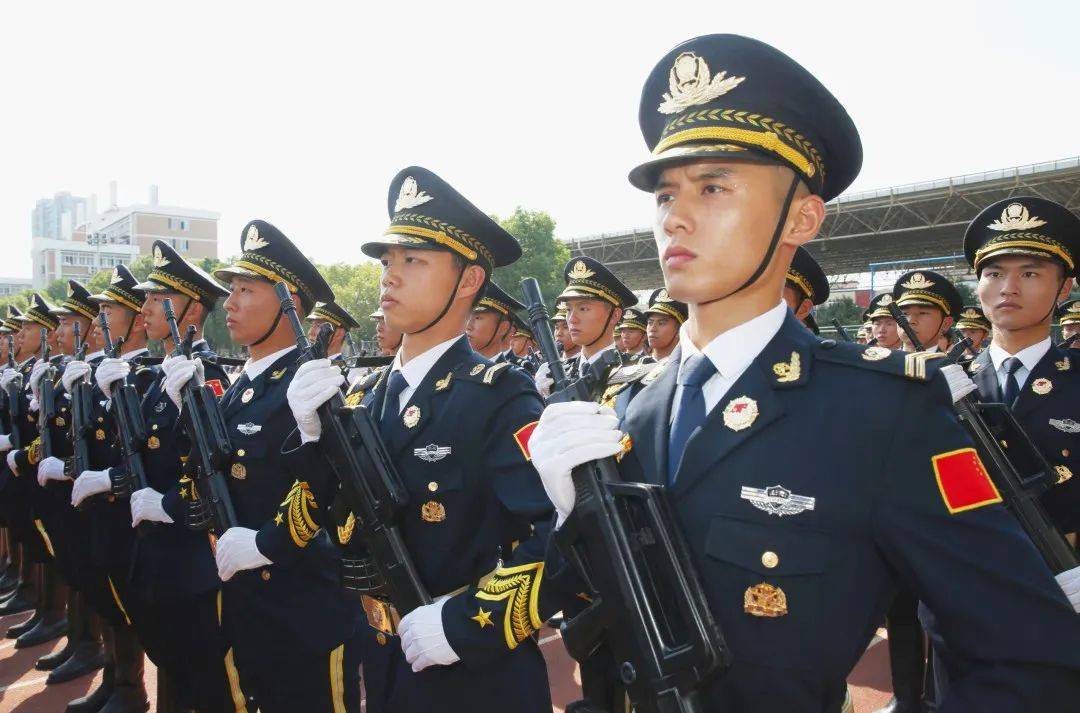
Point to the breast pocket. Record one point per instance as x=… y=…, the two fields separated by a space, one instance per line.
x=436 y=485
x=766 y=583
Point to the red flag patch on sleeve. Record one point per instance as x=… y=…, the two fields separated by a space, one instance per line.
x=215 y=384
x=522 y=435
x=963 y=481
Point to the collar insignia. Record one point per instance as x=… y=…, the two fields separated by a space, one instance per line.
x=275 y=375
x=918 y=281
x=691 y=83
x=252 y=241
x=787 y=372
x=1016 y=217
x=580 y=271
x=159 y=259
x=443 y=383
x=777 y=500
x=1063 y=365
x=410 y=195
x=431 y=453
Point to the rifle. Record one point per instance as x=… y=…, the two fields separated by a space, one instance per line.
x=372 y=489
x=130 y=423
x=82 y=422
x=840 y=330
x=990 y=425
x=206 y=427
x=623 y=539
x=1065 y=344
x=14 y=394
x=47 y=405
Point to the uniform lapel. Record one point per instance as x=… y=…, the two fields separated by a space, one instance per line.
x=1028 y=400
x=718 y=436
x=648 y=419
x=984 y=376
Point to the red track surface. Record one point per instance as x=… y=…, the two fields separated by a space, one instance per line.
x=23 y=689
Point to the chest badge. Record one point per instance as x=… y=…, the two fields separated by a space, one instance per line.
x=765 y=600
x=411 y=417
x=431 y=453
x=740 y=413
x=99 y=434
x=160 y=406
x=875 y=353
x=432 y=511
x=1042 y=386
x=248 y=394
x=238 y=471
x=1063 y=474
x=248 y=429
x=153 y=443
x=1066 y=425
x=777 y=500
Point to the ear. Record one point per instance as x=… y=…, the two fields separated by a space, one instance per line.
x=502 y=330
x=616 y=317
x=946 y=325
x=472 y=281
x=805 y=218
x=1066 y=288
x=804 y=309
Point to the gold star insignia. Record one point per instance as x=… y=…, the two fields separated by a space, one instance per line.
x=483 y=618
x=278 y=519
x=183 y=493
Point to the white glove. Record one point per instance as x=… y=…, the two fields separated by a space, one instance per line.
x=90 y=482
x=315 y=382
x=8 y=376
x=33 y=405
x=74 y=371
x=960 y=384
x=35 y=376
x=236 y=551
x=1069 y=581
x=146 y=507
x=110 y=371
x=50 y=468
x=543 y=381
x=423 y=638
x=11 y=462
x=568 y=435
x=179 y=372
x=5 y=442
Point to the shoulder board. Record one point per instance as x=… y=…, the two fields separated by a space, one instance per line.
x=628 y=374
x=483 y=373
x=917 y=366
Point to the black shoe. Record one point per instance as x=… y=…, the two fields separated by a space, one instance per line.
x=88 y=658
x=94 y=701
x=127 y=699
x=17 y=603
x=44 y=632
x=49 y=662
x=20 y=629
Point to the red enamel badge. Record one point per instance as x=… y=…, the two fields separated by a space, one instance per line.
x=215 y=384
x=963 y=481
x=522 y=436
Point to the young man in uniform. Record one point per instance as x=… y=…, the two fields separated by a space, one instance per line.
x=630 y=335
x=388 y=339
x=798 y=597
x=930 y=302
x=805 y=287
x=491 y=323
x=883 y=328
x=1068 y=314
x=664 y=317
x=337 y=317
x=455 y=425
x=974 y=325
x=561 y=331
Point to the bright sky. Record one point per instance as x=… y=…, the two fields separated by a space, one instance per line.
x=300 y=113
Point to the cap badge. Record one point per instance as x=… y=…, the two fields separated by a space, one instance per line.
x=691 y=83
x=1016 y=217
x=116 y=278
x=159 y=259
x=580 y=271
x=970 y=314
x=918 y=281
x=885 y=300
x=777 y=500
x=740 y=413
x=1074 y=307
x=663 y=296
x=252 y=241
x=410 y=195
x=71 y=290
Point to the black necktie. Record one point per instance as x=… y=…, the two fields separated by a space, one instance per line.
x=237 y=388
x=689 y=412
x=1012 y=387
x=392 y=401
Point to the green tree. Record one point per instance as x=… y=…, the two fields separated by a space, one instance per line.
x=356 y=290
x=843 y=309
x=542 y=256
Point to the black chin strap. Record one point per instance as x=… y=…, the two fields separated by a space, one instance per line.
x=270 y=331
x=606 y=329
x=764 y=265
x=494 y=334
x=447 y=306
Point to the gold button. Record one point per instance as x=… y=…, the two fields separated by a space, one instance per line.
x=1065 y=452
x=101 y=419
x=433 y=486
x=241 y=452
x=770 y=559
x=266 y=575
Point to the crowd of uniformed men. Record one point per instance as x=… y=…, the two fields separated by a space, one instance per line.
x=823 y=487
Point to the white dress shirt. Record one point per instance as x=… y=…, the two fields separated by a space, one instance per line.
x=1029 y=357
x=591 y=360
x=254 y=368
x=418 y=367
x=731 y=352
x=135 y=354
x=95 y=355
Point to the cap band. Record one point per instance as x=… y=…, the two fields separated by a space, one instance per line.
x=669 y=311
x=1025 y=244
x=802 y=283
x=441 y=232
x=488 y=303
x=923 y=297
x=182 y=286
x=122 y=297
